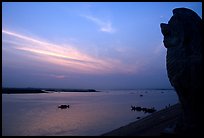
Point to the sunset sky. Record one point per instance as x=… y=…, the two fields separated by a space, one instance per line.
x=101 y=45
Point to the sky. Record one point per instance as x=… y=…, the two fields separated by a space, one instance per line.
x=101 y=45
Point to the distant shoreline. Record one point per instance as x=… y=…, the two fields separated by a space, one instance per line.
x=39 y=90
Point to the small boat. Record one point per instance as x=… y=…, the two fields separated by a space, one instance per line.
x=145 y=110
x=63 y=106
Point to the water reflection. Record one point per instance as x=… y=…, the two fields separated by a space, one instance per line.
x=89 y=113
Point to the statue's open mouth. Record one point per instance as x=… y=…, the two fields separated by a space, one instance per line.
x=165 y=29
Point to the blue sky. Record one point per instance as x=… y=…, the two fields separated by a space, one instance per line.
x=100 y=45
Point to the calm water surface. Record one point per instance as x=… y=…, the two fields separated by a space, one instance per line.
x=90 y=113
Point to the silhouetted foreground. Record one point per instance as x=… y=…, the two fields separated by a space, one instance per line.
x=42 y=90
x=152 y=125
x=184 y=60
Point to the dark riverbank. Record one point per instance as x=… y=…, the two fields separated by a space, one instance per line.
x=152 y=125
x=41 y=90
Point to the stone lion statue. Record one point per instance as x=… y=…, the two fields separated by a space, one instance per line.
x=183 y=40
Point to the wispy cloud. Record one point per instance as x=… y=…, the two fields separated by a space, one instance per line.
x=51 y=75
x=57 y=76
x=66 y=56
x=105 y=26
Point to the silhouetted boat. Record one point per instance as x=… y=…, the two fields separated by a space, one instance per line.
x=63 y=106
x=146 y=110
